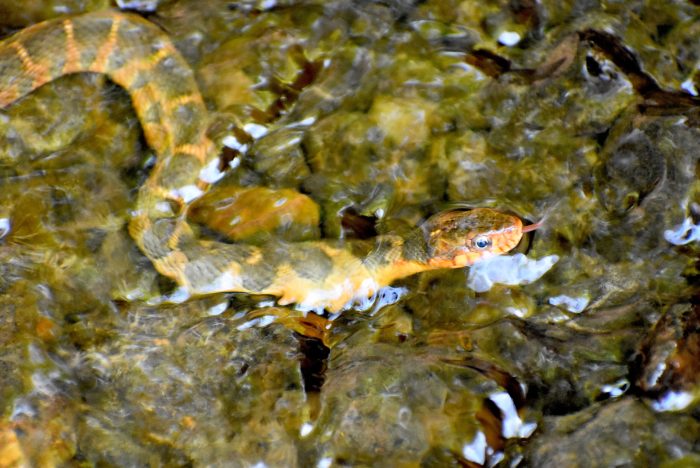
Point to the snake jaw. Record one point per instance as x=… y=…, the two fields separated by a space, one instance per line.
x=459 y=258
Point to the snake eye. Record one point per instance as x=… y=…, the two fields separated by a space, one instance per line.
x=481 y=242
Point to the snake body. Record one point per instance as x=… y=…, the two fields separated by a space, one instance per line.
x=139 y=57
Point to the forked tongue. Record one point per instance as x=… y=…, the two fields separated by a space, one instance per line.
x=532 y=227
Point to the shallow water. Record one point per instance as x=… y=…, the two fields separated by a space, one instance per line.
x=382 y=113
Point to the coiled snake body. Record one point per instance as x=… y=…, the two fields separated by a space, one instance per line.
x=138 y=56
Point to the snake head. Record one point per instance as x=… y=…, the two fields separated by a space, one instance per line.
x=460 y=238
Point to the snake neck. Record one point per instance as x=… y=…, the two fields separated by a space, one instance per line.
x=394 y=256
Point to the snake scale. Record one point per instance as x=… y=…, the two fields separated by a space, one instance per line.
x=316 y=275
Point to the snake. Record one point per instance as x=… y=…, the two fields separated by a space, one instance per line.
x=321 y=275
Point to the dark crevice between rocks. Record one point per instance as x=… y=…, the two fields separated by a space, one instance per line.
x=313 y=362
x=288 y=93
x=488 y=62
x=506 y=381
x=356 y=225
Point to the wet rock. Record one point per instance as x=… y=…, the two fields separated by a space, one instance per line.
x=624 y=432
x=640 y=173
x=380 y=406
x=631 y=171
x=256 y=214
x=566 y=368
x=181 y=398
x=279 y=155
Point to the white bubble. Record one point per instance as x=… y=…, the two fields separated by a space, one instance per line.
x=509 y=38
x=686 y=233
x=475 y=451
x=673 y=401
x=188 y=193
x=217 y=309
x=5 y=227
x=305 y=429
x=572 y=304
x=255 y=130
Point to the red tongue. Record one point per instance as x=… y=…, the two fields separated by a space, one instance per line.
x=532 y=227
